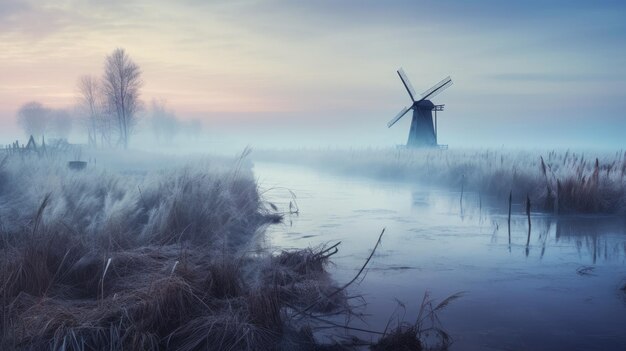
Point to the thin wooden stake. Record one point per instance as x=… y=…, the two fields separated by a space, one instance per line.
x=529 y=225
x=462 y=185
x=510 y=202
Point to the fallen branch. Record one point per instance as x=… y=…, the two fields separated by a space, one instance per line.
x=351 y=281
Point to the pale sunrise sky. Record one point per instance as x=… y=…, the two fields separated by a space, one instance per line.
x=538 y=73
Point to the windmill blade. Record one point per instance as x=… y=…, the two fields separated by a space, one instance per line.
x=407 y=84
x=437 y=88
x=397 y=117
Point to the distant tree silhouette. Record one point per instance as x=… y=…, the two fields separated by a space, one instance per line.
x=33 y=118
x=120 y=85
x=91 y=109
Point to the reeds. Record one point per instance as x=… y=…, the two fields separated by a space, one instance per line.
x=163 y=260
x=155 y=260
x=425 y=333
x=557 y=182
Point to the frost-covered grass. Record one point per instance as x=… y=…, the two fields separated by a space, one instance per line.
x=150 y=260
x=204 y=204
x=556 y=181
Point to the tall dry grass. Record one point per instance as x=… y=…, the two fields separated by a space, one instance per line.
x=556 y=181
x=133 y=257
x=156 y=260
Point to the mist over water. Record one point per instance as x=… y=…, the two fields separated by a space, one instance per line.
x=557 y=286
x=174 y=175
x=559 y=292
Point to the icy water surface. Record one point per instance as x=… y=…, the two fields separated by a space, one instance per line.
x=561 y=292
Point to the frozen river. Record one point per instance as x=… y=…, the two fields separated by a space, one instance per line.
x=559 y=292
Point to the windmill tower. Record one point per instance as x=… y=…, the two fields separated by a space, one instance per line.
x=423 y=132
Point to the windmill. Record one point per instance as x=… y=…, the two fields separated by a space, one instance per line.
x=423 y=132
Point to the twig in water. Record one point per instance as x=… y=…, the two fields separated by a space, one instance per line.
x=351 y=281
x=324 y=254
x=585 y=270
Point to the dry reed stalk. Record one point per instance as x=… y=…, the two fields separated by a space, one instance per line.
x=529 y=224
x=509 y=218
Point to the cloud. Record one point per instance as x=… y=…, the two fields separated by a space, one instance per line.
x=10 y=7
x=39 y=19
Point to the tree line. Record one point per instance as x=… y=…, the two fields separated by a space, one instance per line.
x=35 y=119
x=107 y=108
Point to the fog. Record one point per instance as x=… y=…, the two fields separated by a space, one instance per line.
x=320 y=75
x=192 y=134
x=221 y=175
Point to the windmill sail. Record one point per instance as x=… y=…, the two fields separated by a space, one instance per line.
x=407 y=83
x=437 y=88
x=397 y=117
x=423 y=132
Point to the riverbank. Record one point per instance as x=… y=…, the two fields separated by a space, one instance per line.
x=523 y=291
x=152 y=260
x=128 y=254
x=558 y=182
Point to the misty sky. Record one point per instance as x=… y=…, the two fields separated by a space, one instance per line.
x=288 y=73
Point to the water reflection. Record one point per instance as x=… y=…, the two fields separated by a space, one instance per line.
x=596 y=238
x=593 y=236
x=524 y=289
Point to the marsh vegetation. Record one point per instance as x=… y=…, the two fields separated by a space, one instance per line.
x=522 y=291
x=557 y=182
x=167 y=259
x=154 y=258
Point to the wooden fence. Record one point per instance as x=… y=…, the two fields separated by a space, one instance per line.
x=32 y=148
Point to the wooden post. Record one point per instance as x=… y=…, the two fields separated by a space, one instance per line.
x=462 y=185
x=529 y=224
x=510 y=202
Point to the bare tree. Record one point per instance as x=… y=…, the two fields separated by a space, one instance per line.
x=90 y=105
x=121 y=84
x=105 y=126
x=33 y=117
